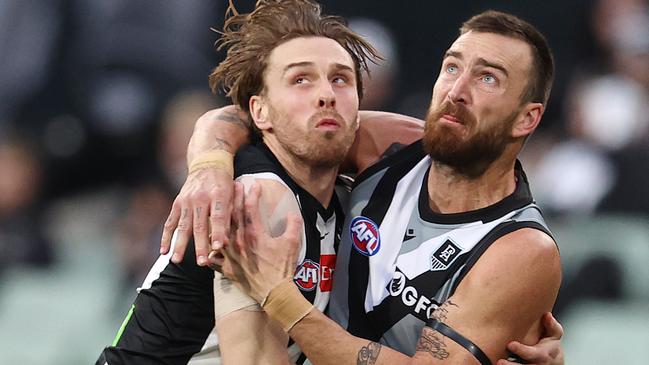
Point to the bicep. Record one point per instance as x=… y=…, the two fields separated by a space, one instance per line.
x=503 y=297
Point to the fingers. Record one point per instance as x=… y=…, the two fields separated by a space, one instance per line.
x=505 y=362
x=215 y=260
x=238 y=217
x=252 y=216
x=184 y=230
x=293 y=232
x=553 y=328
x=201 y=234
x=221 y=209
x=168 y=230
x=543 y=352
x=529 y=353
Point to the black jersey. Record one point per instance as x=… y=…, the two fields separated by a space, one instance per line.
x=399 y=260
x=172 y=319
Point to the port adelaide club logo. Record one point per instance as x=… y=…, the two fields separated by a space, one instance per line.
x=365 y=236
x=444 y=256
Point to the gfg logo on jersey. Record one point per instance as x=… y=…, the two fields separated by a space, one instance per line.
x=422 y=306
x=307 y=275
x=365 y=236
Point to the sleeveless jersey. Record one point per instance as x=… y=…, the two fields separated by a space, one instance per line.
x=398 y=260
x=172 y=319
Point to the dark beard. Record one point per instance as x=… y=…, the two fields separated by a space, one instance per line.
x=468 y=155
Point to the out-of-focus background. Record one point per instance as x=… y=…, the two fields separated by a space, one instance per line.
x=98 y=99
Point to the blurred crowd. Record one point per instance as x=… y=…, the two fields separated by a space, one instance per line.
x=98 y=99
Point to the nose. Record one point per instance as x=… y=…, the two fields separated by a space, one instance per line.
x=460 y=92
x=327 y=96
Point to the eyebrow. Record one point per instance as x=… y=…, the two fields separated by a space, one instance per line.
x=337 y=66
x=481 y=61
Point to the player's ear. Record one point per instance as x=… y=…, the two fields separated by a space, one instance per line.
x=259 y=112
x=528 y=120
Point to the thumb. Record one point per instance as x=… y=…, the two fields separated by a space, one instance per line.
x=553 y=328
x=293 y=232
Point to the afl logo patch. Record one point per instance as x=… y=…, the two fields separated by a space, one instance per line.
x=365 y=236
x=307 y=275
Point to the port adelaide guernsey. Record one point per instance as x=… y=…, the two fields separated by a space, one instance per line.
x=398 y=260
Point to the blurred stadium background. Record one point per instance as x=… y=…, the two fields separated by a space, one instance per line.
x=98 y=100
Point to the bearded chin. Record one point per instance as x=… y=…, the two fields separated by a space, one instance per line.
x=470 y=156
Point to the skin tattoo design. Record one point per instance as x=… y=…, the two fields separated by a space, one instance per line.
x=368 y=354
x=431 y=341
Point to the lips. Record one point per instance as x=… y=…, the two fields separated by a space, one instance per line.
x=327 y=123
x=451 y=118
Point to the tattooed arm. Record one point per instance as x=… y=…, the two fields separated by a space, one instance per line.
x=226 y=128
x=203 y=205
x=503 y=297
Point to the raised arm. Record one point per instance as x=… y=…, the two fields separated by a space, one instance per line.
x=377 y=132
x=203 y=205
x=503 y=297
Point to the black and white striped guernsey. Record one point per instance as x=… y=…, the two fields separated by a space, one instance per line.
x=398 y=260
x=172 y=319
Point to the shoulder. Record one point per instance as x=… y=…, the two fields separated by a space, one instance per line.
x=529 y=244
x=523 y=261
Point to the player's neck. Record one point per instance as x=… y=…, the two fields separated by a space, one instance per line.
x=318 y=181
x=452 y=192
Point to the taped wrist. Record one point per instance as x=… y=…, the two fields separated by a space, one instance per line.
x=286 y=305
x=219 y=159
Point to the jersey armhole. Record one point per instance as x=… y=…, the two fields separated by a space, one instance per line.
x=498 y=232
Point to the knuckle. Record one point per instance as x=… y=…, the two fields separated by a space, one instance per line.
x=217 y=214
x=217 y=190
x=199 y=196
x=184 y=227
x=180 y=200
x=199 y=227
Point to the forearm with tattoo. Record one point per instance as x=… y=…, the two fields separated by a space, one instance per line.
x=226 y=129
x=236 y=117
x=432 y=341
x=221 y=144
x=232 y=116
x=368 y=354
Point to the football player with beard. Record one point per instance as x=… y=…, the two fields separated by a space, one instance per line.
x=444 y=256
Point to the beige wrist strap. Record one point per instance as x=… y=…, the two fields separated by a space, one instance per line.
x=286 y=305
x=219 y=159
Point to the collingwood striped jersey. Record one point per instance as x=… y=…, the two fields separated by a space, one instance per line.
x=399 y=260
x=172 y=319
